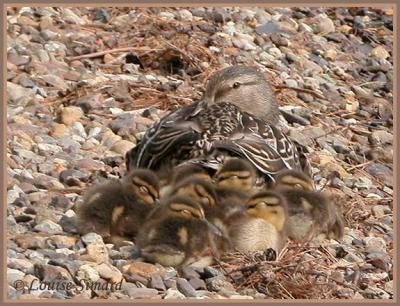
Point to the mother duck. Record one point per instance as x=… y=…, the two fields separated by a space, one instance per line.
x=237 y=116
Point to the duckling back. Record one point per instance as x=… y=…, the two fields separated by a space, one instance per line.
x=94 y=214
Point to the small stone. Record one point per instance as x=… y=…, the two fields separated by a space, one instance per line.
x=91 y=238
x=156 y=282
x=330 y=54
x=122 y=146
x=109 y=272
x=59 y=131
x=102 y=15
x=18 y=95
x=87 y=272
x=70 y=174
x=198 y=284
x=379 y=211
x=12 y=196
x=380 y=52
x=71 y=114
x=141 y=293
x=173 y=294
x=363 y=182
x=97 y=252
x=209 y=272
x=32 y=240
x=167 y=15
x=324 y=26
x=374 y=244
x=275 y=52
x=50 y=273
x=21 y=264
x=189 y=272
x=61 y=202
x=142 y=268
x=61 y=241
x=56 y=82
x=185 y=287
x=13 y=275
x=185 y=15
x=381 y=172
x=217 y=283
x=49 y=227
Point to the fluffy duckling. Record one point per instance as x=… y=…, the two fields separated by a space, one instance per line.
x=176 y=234
x=180 y=173
x=262 y=225
x=203 y=192
x=235 y=182
x=310 y=212
x=116 y=209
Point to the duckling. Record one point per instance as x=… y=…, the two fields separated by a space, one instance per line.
x=203 y=192
x=310 y=212
x=176 y=234
x=183 y=172
x=262 y=225
x=235 y=182
x=116 y=209
x=237 y=116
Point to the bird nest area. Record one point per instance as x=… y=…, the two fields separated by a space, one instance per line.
x=301 y=272
x=84 y=84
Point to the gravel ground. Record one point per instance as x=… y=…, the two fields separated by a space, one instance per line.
x=84 y=84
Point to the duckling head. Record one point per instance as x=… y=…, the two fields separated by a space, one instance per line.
x=141 y=184
x=292 y=179
x=184 y=207
x=199 y=190
x=245 y=87
x=236 y=173
x=185 y=171
x=270 y=206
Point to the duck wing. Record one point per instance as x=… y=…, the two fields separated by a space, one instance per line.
x=168 y=135
x=265 y=146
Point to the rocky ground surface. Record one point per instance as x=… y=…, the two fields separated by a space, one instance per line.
x=84 y=84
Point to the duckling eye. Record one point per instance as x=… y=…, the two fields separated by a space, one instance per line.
x=236 y=85
x=144 y=189
x=234 y=177
x=186 y=212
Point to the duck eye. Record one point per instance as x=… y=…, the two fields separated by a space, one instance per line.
x=236 y=85
x=144 y=189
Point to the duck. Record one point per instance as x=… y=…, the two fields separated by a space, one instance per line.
x=116 y=209
x=176 y=234
x=237 y=117
x=310 y=212
x=262 y=226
